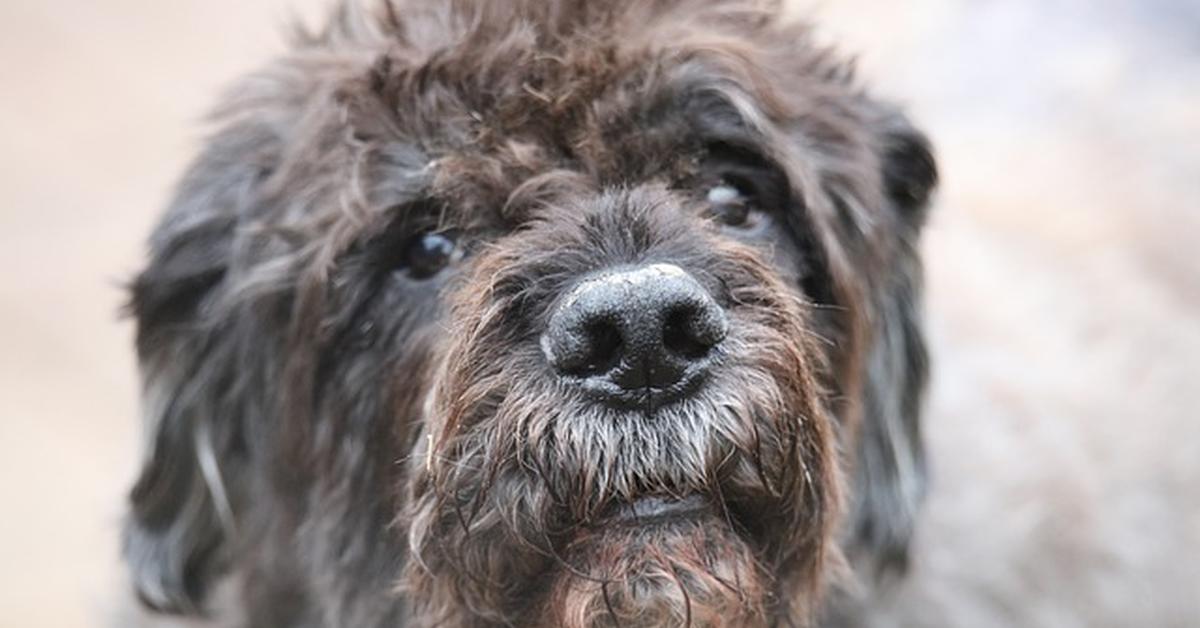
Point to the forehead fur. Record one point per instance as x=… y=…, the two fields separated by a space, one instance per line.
x=496 y=93
x=554 y=67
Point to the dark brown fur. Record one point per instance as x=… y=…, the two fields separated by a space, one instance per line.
x=362 y=446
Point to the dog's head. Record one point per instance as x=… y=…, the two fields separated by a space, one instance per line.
x=547 y=313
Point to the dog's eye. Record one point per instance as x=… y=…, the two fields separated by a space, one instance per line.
x=429 y=253
x=729 y=205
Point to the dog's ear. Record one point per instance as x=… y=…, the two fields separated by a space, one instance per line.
x=910 y=171
x=890 y=470
x=182 y=513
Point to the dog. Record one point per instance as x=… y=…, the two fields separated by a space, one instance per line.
x=536 y=313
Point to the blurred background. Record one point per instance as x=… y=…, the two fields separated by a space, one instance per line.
x=1064 y=271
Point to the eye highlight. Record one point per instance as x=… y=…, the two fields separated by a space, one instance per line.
x=426 y=254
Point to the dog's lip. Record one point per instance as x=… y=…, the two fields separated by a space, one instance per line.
x=657 y=508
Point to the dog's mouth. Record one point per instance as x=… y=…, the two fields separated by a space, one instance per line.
x=667 y=512
x=652 y=510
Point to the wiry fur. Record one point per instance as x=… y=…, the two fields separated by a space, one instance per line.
x=362 y=447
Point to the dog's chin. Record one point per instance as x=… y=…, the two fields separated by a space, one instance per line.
x=658 y=562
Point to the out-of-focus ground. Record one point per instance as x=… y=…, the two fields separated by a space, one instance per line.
x=1064 y=275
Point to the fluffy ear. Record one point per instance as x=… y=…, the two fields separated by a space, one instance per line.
x=182 y=514
x=890 y=470
x=909 y=170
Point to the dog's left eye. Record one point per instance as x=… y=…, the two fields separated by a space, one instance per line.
x=729 y=205
x=428 y=253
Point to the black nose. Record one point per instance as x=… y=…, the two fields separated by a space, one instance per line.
x=640 y=335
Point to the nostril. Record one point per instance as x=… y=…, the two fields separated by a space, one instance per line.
x=691 y=331
x=583 y=348
x=603 y=348
x=679 y=335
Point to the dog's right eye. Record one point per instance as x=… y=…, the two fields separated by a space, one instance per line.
x=428 y=253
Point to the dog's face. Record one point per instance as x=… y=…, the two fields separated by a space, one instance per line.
x=566 y=319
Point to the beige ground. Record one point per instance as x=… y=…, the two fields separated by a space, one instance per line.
x=1065 y=276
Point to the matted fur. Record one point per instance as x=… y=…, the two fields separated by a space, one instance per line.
x=356 y=445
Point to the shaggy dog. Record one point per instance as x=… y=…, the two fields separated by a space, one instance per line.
x=536 y=313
